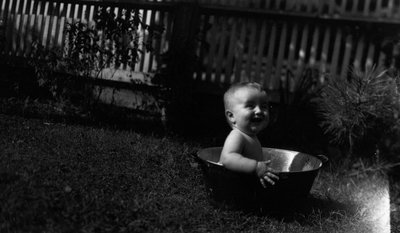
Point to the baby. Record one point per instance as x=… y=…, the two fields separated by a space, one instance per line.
x=246 y=109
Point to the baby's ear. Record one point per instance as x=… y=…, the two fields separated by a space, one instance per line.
x=229 y=115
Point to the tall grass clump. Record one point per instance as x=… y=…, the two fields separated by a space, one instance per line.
x=360 y=113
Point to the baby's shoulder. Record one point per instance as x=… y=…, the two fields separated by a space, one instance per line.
x=236 y=134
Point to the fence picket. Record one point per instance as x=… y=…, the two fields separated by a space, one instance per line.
x=331 y=7
x=15 y=30
x=314 y=47
x=366 y=7
x=17 y=25
x=40 y=20
x=278 y=70
x=250 y=50
x=370 y=56
x=342 y=7
x=211 y=52
x=92 y=11
x=168 y=32
x=354 y=8
x=270 y=60
x=59 y=31
x=150 y=55
x=292 y=52
x=302 y=53
x=390 y=8
x=219 y=55
x=309 y=6
x=10 y=30
x=32 y=28
x=325 y=51
x=86 y=13
x=395 y=11
x=204 y=22
x=359 y=52
x=75 y=12
x=28 y=26
x=336 y=50
x=229 y=78
x=159 y=41
x=238 y=64
x=45 y=24
x=118 y=46
x=381 y=58
x=21 y=27
x=379 y=9
x=6 y=21
x=52 y=20
x=142 y=39
x=72 y=13
x=291 y=5
x=2 y=10
x=267 y=4
x=260 y=52
x=346 y=58
x=147 y=54
x=71 y=20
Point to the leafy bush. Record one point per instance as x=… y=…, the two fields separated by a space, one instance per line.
x=361 y=109
x=113 y=40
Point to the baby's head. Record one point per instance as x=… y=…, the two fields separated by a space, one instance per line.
x=246 y=107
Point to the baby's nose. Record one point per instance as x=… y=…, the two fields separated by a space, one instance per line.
x=257 y=109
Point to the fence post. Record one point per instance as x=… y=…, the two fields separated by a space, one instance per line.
x=180 y=61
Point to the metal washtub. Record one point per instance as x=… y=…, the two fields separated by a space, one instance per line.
x=297 y=172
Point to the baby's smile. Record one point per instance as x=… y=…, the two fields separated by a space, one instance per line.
x=257 y=119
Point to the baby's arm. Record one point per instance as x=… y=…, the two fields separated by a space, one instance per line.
x=232 y=159
x=231 y=156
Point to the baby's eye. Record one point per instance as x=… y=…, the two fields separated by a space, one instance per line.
x=265 y=106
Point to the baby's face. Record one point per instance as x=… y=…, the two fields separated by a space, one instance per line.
x=249 y=110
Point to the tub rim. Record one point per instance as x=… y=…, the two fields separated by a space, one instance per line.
x=322 y=158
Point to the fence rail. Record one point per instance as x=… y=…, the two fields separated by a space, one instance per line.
x=382 y=9
x=270 y=41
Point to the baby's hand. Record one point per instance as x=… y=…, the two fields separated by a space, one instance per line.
x=266 y=173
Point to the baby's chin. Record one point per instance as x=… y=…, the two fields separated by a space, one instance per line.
x=257 y=127
x=252 y=130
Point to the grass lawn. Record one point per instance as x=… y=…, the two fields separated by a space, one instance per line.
x=57 y=177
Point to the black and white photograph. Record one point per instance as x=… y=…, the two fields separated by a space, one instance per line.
x=279 y=116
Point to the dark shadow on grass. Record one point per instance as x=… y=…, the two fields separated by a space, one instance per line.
x=294 y=210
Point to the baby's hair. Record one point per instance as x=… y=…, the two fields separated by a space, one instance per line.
x=237 y=86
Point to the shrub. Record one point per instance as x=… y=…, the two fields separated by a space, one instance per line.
x=113 y=40
x=361 y=110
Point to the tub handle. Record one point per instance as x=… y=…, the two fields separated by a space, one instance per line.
x=195 y=156
x=323 y=158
